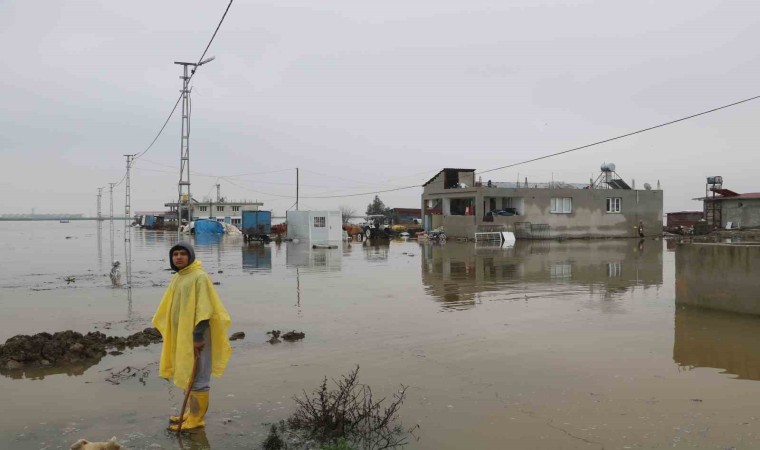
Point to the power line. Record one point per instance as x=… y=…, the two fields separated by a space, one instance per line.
x=622 y=135
x=192 y=74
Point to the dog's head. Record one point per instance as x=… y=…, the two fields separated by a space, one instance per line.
x=84 y=444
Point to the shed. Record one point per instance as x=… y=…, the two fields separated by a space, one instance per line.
x=316 y=227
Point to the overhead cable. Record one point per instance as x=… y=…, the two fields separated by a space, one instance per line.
x=622 y=135
x=192 y=74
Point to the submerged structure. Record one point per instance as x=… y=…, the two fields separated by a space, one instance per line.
x=603 y=208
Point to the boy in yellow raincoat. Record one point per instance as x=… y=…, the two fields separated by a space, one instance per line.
x=190 y=317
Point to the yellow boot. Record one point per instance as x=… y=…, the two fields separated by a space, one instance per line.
x=175 y=419
x=197 y=406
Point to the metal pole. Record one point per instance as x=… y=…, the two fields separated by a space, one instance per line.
x=100 y=196
x=111 y=185
x=127 y=227
x=184 y=151
x=184 y=147
x=296 y=188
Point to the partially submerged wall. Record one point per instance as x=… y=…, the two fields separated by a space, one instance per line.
x=718 y=276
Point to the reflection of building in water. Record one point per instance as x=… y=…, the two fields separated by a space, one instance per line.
x=727 y=341
x=321 y=259
x=459 y=272
x=257 y=257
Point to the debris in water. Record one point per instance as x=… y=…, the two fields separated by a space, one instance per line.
x=294 y=335
x=67 y=347
x=238 y=335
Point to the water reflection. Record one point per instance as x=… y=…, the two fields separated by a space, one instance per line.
x=317 y=259
x=376 y=249
x=459 y=274
x=39 y=373
x=194 y=440
x=257 y=257
x=720 y=340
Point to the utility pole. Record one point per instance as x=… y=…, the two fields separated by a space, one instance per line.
x=127 y=227
x=185 y=199
x=100 y=196
x=296 y=188
x=218 y=192
x=111 y=185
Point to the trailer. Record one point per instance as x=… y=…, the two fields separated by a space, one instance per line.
x=257 y=225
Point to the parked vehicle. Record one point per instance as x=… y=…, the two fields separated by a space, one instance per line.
x=257 y=225
x=377 y=226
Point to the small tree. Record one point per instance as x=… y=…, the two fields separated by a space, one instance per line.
x=377 y=207
x=346 y=212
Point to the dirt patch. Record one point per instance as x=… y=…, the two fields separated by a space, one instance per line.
x=67 y=347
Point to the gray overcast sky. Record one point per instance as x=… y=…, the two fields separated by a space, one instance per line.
x=365 y=96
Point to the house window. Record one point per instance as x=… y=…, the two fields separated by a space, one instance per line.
x=235 y=208
x=613 y=204
x=319 y=222
x=220 y=209
x=203 y=208
x=561 y=205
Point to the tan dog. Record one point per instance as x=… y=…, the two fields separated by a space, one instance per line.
x=84 y=444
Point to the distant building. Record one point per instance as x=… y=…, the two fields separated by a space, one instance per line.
x=221 y=210
x=726 y=207
x=407 y=215
x=685 y=219
x=607 y=207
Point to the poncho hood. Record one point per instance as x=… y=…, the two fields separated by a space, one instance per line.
x=185 y=246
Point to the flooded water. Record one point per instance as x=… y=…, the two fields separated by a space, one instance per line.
x=546 y=345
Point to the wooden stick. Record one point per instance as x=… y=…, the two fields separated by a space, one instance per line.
x=189 y=389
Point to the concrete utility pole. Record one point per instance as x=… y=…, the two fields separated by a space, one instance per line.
x=127 y=227
x=100 y=196
x=218 y=192
x=111 y=185
x=185 y=199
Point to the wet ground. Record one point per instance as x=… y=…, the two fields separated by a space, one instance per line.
x=547 y=345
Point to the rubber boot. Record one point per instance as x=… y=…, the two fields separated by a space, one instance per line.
x=197 y=405
x=175 y=419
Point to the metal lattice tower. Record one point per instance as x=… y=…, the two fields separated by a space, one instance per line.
x=111 y=185
x=183 y=187
x=127 y=227
x=185 y=199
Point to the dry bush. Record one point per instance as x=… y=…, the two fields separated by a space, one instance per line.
x=350 y=412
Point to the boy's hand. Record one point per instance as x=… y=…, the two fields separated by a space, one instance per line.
x=199 y=344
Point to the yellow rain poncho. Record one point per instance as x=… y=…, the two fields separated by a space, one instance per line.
x=189 y=299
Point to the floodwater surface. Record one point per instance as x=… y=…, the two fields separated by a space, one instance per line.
x=545 y=345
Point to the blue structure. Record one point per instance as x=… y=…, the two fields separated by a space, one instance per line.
x=205 y=226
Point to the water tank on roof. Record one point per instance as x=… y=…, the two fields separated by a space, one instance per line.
x=715 y=180
x=647 y=186
x=608 y=167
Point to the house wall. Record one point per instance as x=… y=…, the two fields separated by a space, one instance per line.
x=745 y=216
x=718 y=276
x=588 y=218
